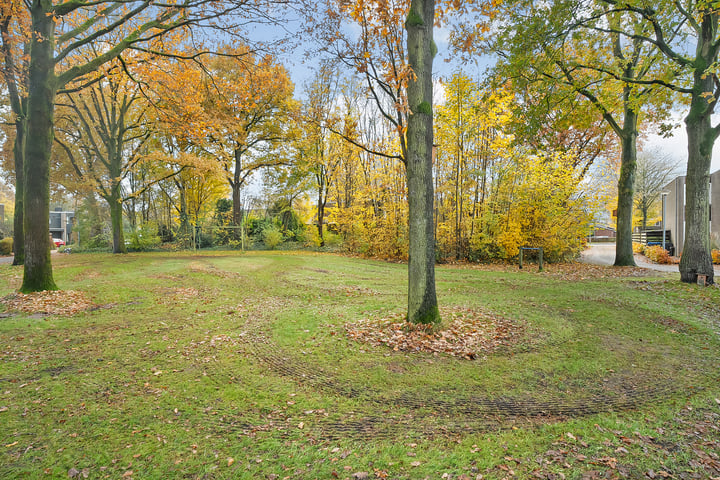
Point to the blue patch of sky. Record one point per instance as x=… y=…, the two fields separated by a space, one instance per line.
x=301 y=58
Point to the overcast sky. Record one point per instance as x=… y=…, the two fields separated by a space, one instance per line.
x=676 y=147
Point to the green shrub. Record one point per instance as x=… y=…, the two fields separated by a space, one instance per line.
x=332 y=239
x=100 y=241
x=6 y=246
x=205 y=239
x=144 y=238
x=272 y=236
x=255 y=226
x=166 y=234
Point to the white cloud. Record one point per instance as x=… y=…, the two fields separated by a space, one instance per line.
x=676 y=146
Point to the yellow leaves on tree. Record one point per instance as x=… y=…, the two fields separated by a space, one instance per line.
x=544 y=207
x=493 y=197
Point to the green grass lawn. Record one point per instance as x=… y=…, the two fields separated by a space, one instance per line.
x=226 y=365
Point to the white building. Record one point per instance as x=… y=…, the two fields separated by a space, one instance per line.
x=675 y=211
x=61 y=224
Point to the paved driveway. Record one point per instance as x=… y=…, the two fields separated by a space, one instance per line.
x=9 y=258
x=604 y=254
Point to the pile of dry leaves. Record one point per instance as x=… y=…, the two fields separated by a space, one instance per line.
x=466 y=333
x=59 y=302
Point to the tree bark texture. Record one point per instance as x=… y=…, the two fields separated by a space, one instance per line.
x=422 y=299
x=38 y=274
x=18 y=105
x=321 y=215
x=696 y=258
x=626 y=184
x=113 y=144
x=235 y=186
x=18 y=222
x=116 y=220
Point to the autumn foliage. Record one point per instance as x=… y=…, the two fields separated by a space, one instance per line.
x=657 y=254
x=716 y=256
x=491 y=196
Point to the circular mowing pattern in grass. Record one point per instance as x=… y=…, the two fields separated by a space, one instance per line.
x=447 y=410
x=464 y=333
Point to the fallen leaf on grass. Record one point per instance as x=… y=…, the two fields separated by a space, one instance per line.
x=59 y=302
x=176 y=294
x=566 y=271
x=469 y=332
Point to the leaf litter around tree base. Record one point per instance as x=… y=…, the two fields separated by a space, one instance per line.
x=464 y=332
x=48 y=302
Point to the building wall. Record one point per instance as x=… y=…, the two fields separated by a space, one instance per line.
x=61 y=224
x=675 y=212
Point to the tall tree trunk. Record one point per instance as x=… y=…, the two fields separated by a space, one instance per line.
x=115 y=199
x=116 y=221
x=626 y=184
x=116 y=215
x=18 y=104
x=422 y=300
x=184 y=228
x=457 y=207
x=235 y=184
x=18 y=223
x=236 y=204
x=321 y=215
x=644 y=212
x=94 y=214
x=38 y=145
x=696 y=259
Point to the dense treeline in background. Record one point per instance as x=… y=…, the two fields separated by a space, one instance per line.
x=162 y=152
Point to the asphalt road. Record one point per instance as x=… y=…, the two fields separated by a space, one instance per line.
x=9 y=258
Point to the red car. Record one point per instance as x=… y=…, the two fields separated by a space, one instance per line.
x=59 y=242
